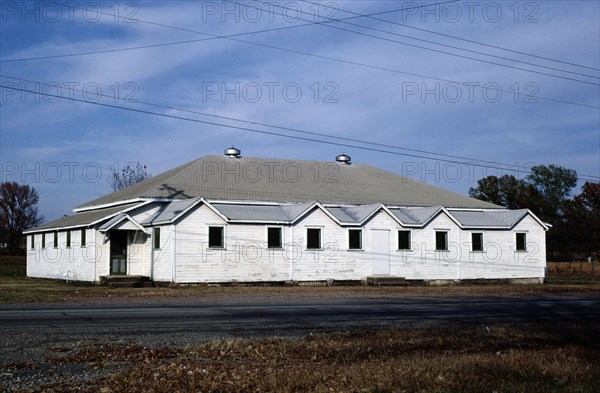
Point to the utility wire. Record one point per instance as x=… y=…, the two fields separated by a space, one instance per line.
x=162 y=106
x=342 y=29
x=262 y=131
x=331 y=26
x=371 y=16
x=211 y=36
x=354 y=63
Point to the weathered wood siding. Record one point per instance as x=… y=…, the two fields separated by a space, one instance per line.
x=245 y=256
x=62 y=262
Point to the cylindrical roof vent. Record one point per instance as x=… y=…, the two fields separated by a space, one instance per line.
x=232 y=152
x=343 y=159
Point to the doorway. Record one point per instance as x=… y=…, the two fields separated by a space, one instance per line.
x=380 y=258
x=118 y=252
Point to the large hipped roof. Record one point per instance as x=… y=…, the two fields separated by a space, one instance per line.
x=280 y=180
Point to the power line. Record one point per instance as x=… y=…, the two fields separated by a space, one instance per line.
x=371 y=16
x=211 y=36
x=334 y=27
x=253 y=130
x=447 y=46
x=162 y=106
x=354 y=63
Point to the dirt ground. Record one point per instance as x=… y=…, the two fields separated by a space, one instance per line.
x=466 y=358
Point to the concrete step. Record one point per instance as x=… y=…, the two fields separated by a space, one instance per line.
x=387 y=280
x=123 y=281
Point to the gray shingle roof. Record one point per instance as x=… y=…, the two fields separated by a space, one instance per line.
x=270 y=213
x=415 y=215
x=288 y=213
x=353 y=214
x=489 y=219
x=280 y=180
x=169 y=211
x=83 y=219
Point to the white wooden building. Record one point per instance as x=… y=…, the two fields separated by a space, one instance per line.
x=228 y=218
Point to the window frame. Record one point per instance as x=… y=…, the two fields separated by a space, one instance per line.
x=32 y=244
x=445 y=232
x=156 y=238
x=320 y=245
x=524 y=245
x=360 y=239
x=83 y=236
x=222 y=240
x=280 y=245
x=43 y=239
x=55 y=240
x=409 y=233
x=473 y=241
x=68 y=239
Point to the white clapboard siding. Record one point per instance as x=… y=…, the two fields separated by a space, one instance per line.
x=61 y=262
x=245 y=256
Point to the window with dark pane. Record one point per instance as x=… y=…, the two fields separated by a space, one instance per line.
x=355 y=239
x=441 y=241
x=274 y=237
x=313 y=238
x=215 y=237
x=403 y=240
x=477 y=241
x=521 y=242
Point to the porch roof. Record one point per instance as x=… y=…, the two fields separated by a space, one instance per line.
x=83 y=219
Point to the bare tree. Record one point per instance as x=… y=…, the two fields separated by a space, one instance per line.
x=18 y=212
x=132 y=173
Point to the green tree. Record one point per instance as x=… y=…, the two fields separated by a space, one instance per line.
x=587 y=221
x=507 y=191
x=546 y=192
x=18 y=212
x=554 y=184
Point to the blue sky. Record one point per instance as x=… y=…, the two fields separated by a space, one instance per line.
x=408 y=79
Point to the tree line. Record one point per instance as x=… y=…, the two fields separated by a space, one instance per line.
x=547 y=192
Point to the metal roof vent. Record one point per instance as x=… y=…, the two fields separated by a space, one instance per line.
x=232 y=152
x=343 y=159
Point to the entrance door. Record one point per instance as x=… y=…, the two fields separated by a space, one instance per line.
x=380 y=259
x=118 y=252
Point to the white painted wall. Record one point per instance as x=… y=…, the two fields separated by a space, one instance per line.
x=245 y=256
x=62 y=262
x=184 y=255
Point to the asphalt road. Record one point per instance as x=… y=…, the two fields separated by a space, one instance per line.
x=364 y=312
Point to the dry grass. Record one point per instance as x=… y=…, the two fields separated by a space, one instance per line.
x=582 y=268
x=504 y=358
x=15 y=287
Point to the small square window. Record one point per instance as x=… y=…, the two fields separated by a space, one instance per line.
x=476 y=241
x=215 y=237
x=274 y=237
x=55 y=239
x=521 y=242
x=441 y=240
x=68 y=239
x=156 y=235
x=355 y=239
x=313 y=238
x=403 y=240
x=83 y=237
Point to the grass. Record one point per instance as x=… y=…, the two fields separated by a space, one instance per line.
x=12 y=266
x=15 y=287
x=499 y=358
